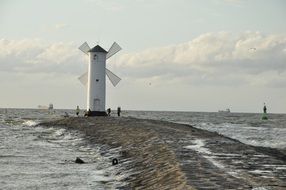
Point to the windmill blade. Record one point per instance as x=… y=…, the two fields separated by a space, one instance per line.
x=113 y=50
x=83 y=78
x=84 y=47
x=112 y=77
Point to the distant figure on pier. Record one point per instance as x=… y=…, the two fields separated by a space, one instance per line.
x=264 y=109
x=77 y=110
x=66 y=114
x=108 y=111
x=264 y=116
x=118 y=111
x=87 y=113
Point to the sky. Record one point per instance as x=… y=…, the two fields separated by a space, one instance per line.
x=183 y=55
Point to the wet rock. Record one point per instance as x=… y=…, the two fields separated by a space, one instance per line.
x=79 y=161
x=114 y=161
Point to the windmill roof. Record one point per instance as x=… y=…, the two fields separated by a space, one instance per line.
x=97 y=49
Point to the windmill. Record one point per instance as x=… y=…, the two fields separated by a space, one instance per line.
x=94 y=78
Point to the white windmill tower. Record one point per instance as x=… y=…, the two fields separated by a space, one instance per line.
x=94 y=79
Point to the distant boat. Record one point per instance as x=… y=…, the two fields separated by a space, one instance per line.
x=224 y=111
x=43 y=107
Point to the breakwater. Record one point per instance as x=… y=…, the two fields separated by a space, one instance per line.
x=164 y=155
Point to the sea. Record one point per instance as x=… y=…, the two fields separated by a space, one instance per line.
x=248 y=128
x=35 y=157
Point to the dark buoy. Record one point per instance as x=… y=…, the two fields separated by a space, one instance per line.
x=264 y=117
x=114 y=161
x=79 y=161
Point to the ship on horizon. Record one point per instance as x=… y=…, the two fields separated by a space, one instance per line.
x=44 y=107
x=224 y=111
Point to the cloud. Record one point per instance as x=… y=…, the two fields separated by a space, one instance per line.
x=233 y=1
x=61 y=26
x=36 y=56
x=113 y=6
x=211 y=59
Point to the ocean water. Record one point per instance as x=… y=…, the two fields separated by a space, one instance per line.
x=248 y=128
x=34 y=157
x=43 y=158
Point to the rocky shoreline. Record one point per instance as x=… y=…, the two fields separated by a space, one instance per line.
x=165 y=155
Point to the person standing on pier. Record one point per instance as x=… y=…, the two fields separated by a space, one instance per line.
x=108 y=111
x=264 y=109
x=77 y=110
x=264 y=116
x=118 y=111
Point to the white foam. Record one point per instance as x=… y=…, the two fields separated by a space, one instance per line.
x=260 y=188
x=59 y=132
x=214 y=162
x=198 y=146
x=260 y=171
x=281 y=168
x=234 y=174
x=260 y=156
x=227 y=155
x=30 y=123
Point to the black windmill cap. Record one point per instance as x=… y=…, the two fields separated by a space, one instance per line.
x=98 y=49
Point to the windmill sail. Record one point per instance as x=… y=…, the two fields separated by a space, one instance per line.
x=113 y=50
x=112 y=77
x=83 y=78
x=84 y=48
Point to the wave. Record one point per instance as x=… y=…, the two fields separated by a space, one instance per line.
x=30 y=123
x=255 y=136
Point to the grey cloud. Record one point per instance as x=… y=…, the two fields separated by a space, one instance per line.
x=61 y=26
x=210 y=59
x=34 y=56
